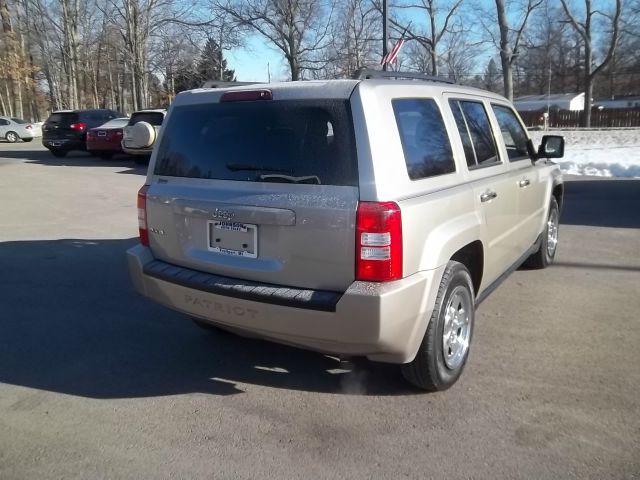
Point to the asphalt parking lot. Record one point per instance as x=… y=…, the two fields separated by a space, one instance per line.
x=97 y=382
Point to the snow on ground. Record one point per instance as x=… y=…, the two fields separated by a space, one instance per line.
x=601 y=153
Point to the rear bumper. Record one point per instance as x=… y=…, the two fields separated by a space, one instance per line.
x=383 y=321
x=137 y=151
x=64 y=144
x=103 y=146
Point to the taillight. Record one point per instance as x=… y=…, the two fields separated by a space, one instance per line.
x=378 y=242
x=28 y=126
x=80 y=126
x=142 y=215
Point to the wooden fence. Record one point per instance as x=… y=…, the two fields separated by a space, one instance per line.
x=605 y=118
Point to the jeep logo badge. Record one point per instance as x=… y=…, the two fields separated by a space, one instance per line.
x=224 y=214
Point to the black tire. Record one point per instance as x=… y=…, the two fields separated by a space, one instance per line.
x=141 y=160
x=431 y=370
x=27 y=139
x=59 y=153
x=11 y=137
x=544 y=256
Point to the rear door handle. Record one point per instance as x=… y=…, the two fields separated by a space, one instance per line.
x=524 y=183
x=489 y=195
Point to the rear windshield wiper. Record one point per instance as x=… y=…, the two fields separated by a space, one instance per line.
x=236 y=167
x=305 y=179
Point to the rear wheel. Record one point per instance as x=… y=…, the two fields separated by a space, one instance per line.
x=11 y=137
x=549 y=243
x=445 y=346
x=27 y=139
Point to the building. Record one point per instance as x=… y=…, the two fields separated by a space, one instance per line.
x=622 y=101
x=555 y=101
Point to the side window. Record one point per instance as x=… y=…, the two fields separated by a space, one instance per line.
x=425 y=143
x=515 y=137
x=475 y=131
x=3 y=122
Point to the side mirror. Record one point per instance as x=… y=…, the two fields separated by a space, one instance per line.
x=551 y=146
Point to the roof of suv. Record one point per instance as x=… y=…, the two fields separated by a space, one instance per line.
x=327 y=89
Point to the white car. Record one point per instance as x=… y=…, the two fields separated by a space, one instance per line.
x=13 y=129
x=141 y=132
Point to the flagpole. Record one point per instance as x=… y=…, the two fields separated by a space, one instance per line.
x=385 y=32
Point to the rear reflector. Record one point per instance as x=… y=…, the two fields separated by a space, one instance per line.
x=246 y=96
x=142 y=215
x=378 y=242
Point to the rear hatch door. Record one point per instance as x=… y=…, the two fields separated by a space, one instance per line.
x=58 y=126
x=258 y=190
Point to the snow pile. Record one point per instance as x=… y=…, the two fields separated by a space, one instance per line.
x=601 y=153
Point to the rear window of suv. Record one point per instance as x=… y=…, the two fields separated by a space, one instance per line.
x=285 y=141
x=152 y=118
x=63 y=119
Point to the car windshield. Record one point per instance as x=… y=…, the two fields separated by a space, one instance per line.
x=302 y=141
x=20 y=121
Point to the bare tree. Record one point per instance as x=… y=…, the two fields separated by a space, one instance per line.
x=510 y=39
x=430 y=22
x=585 y=29
x=298 y=28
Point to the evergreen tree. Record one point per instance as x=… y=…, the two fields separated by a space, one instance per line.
x=212 y=65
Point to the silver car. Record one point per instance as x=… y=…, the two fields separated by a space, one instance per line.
x=13 y=129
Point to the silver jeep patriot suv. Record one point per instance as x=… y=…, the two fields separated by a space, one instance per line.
x=362 y=217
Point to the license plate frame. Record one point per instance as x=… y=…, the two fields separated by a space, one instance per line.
x=235 y=239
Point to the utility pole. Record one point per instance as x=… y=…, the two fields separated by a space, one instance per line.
x=385 y=32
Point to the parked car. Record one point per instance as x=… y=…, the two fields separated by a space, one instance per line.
x=141 y=132
x=106 y=140
x=14 y=129
x=66 y=130
x=364 y=217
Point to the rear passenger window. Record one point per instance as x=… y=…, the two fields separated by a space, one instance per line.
x=515 y=138
x=426 y=146
x=475 y=132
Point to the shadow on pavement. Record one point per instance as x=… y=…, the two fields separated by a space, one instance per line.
x=71 y=322
x=75 y=159
x=602 y=203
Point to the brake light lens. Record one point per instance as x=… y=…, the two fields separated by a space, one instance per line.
x=80 y=126
x=28 y=126
x=246 y=96
x=378 y=242
x=142 y=215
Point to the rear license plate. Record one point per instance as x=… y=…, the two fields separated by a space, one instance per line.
x=55 y=144
x=102 y=134
x=233 y=238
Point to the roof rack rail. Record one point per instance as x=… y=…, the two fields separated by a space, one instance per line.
x=366 y=73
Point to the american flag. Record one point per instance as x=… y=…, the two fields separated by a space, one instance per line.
x=392 y=56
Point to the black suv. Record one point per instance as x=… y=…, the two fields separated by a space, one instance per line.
x=67 y=130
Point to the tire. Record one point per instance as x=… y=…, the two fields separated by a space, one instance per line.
x=59 y=153
x=27 y=139
x=11 y=137
x=141 y=159
x=105 y=155
x=544 y=256
x=441 y=358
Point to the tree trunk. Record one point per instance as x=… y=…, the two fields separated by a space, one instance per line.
x=505 y=50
